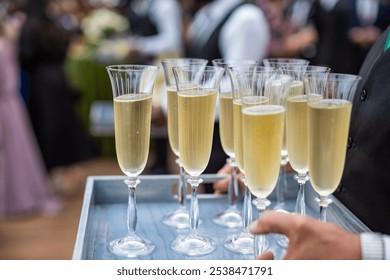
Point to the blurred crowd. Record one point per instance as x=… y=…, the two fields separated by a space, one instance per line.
x=36 y=37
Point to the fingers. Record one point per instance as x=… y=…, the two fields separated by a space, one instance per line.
x=218 y=192
x=225 y=169
x=266 y=256
x=275 y=222
x=221 y=186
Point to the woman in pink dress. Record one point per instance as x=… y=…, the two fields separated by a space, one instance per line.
x=24 y=183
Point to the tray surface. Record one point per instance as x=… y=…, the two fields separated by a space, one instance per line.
x=103 y=216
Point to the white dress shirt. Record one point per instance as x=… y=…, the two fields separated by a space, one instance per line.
x=375 y=246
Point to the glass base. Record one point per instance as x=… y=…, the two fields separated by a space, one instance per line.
x=131 y=246
x=241 y=243
x=279 y=206
x=193 y=245
x=230 y=218
x=178 y=219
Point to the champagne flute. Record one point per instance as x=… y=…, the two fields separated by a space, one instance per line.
x=180 y=217
x=243 y=241
x=197 y=97
x=231 y=217
x=329 y=120
x=292 y=64
x=297 y=122
x=132 y=87
x=263 y=118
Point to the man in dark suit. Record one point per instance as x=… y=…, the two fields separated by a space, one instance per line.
x=364 y=188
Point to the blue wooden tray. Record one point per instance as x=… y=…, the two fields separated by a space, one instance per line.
x=103 y=217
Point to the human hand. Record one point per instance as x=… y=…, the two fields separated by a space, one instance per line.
x=221 y=186
x=308 y=238
x=364 y=36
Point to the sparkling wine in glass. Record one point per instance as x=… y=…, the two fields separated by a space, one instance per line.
x=230 y=217
x=309 y=81
x=180 y=217
x=262 y=130
x=197 y=98
x=242 y=242
x=296 y=64
x=132 y=87
x=329 y=120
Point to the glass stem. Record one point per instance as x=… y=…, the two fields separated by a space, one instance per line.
x=300 y=206
x=181 y=186
x=259 y=244
x=233 y=186
x=131 y=206
x=247 y=207
x=194 y=211
x=259 y=240
x=281 y=187
x=323 y=213
x=323 y=202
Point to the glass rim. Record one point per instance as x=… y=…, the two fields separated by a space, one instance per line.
x=265 y=69
x=272 y=71
x=234 y=61
x=317 y=68
x=207 y=68
x=339 y=76
x=306 y=69
x=293 y=60
x=132 y=67
x=184 y=59
x=259 y=69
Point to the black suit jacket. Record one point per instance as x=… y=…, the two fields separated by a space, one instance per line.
x=365 y=186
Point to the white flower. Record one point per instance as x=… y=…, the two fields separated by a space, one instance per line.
x=101 y=23
x=113 y=50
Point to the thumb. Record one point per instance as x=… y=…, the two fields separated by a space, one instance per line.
x=273 y=222
x=266 y=256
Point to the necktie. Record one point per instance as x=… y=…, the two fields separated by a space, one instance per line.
x=387 y=45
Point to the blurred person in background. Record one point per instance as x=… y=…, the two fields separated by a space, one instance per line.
x=229 y=29
x=155 y=29
x=24 y=183
x=329 y=19
x=291 y=36
x=69 y=14
x=333 y=33
x=346 y=29
x=62 y=139
x=189 y=9
x=367 y=20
